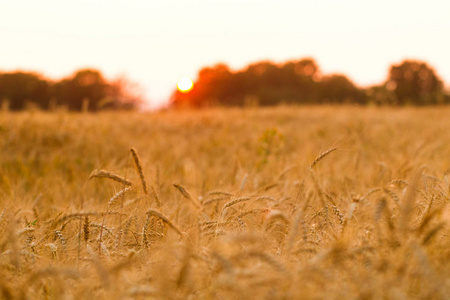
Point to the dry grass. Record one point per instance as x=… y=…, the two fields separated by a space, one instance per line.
x=271 y=212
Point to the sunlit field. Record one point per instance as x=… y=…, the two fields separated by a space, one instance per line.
x=281 y=203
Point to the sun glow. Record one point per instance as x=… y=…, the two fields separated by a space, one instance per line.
x=185 y=84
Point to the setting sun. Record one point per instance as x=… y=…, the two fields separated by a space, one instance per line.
x=185 y=84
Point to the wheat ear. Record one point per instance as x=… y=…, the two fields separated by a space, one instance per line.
x=110 y=175
x=153 y=212
x=187 y=195
x=137 y=163
x=321 y=156
x=235 y=201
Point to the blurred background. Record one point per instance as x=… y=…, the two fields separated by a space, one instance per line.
x=95 y=54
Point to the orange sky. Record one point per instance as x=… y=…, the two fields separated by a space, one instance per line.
x=155 y=43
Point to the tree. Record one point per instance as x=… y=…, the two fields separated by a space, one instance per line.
x=264 y=82
x=215 y=85
x=305 y=76
x=292 y=82
x=338 y=89
x=85 y=85
x=123 y=93
x=414 y=82
x=261 y=81
x=301 y=82
x=21 y=88
x=88 y=87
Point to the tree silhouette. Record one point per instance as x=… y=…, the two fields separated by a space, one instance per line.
x=85 y=85
x=215 y=85
x=21 y=88
x=414 y=82
x=263 y=83
x=267 y=83
x=338 y=89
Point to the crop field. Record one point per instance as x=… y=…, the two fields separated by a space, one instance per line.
x=255 y=203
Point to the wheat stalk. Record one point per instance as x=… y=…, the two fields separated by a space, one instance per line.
x=153 y=212
x=118 y=195
x=220 y=193
x=209 y=201
x=86 y=229
x=235 y=201
x=155 y=194
x=61 y=238
x=110 y=203
x=299 y=217
x=409 y=198
x=252 y=211
x=243 y=182
x=144 y=232
x=137 y=163
x=321 y=156
x=392 y=195
x=109 y=175
x=187 y=195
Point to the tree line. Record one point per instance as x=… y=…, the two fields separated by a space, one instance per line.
x=301 y=82
x=263 y=83
x=86 y=89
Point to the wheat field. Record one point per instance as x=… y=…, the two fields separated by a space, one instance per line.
x=280 y=203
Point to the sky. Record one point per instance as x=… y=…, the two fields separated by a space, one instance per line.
x=155 y=43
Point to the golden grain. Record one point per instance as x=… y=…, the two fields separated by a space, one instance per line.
x=187 y=195
x=137 y=163
x=166 y=220
x=110 y=175
x=235 y=201
x=321 y=156
x=272 y=231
